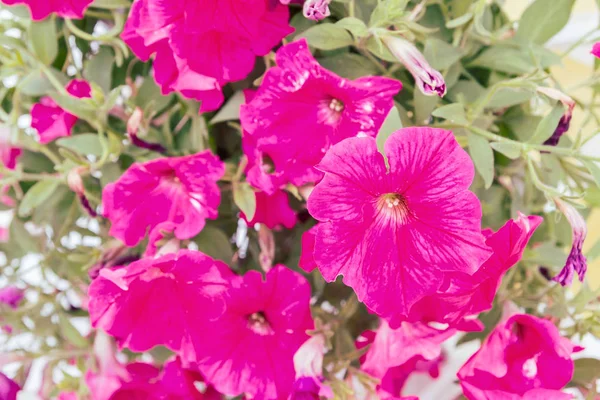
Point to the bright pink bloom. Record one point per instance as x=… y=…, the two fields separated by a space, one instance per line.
x=468 y=295
x=273 y=210
x=301 y=110
x=11 y=296
x=136 y=304
x=51 y=121
x=8 y=153
x=521 y=354
x=40 y=9
x=307 y=258
x=200 y=46
x=576 y=262
x=177 y=383
x=157 y=235
x=397 y=353
x=182 y=190
x=123 y=382
x=596 y=49
x=8 y=388
x=264 y=323
x=397 y=234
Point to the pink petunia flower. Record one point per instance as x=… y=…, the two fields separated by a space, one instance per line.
x=596 y=49
x=40 y=9
x=576 y=262
x=300 y=111
x=11 y=296
x=51 y=121
x=307 y=258
x=469 y=295
x=263 y=325
x=272 y=210
x=427 y=79
x=180 y=383
x=124 y=382
x=397 y=233
x=137 y=305
x=8 y=388
x=308 y=363
x=182 y=190
x=200 y=46
x=397 y=353
x=521 y=354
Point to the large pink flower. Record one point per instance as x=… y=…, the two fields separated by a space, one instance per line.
x=520 y=355
x=397 y=353
x=468 y=295
x=51 y=121
x=397 y=233
x=179 y=383
x=273 y=210
x=182 y=190
x=158 y=301
x=8 y=388
x=251 y=346
x=40 y=9
x=123 y=382
x=301 y=110
x=200 y=46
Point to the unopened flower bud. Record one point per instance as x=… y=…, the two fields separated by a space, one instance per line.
x=565 y=121
x=316 y=10
x=576 y=262
x=133 y=126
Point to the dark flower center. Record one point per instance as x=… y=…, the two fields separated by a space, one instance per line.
x=258 y=323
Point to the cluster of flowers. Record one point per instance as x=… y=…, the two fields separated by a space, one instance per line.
x=399 y=224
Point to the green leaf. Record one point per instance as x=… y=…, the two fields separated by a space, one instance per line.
x=328 y=37
x=387 y=12
x=507 y=97
x=543 y=19
x=587 y=371
x=215 y=243
x=510 y=150
x=547 y=125
x=85 y=144
x=79 y=107
x=231 y=110
x=440 y=54
x=483 y=157
x=349 y=65
x=36 y=195
x=594 y=169
x=245 y=199
x=99 y=68
x=44 y=39
x=377 y=47
x=460 y=21
x=355 y=26
x=111 y=4
x=390 y=125
x=452 y=112
x=36 y=83
x=424 y=106
x=70 y=333
x=149 y=93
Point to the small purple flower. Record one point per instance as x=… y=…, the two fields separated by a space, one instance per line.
x=11 y=296
x=576 y=261
x=316 y=10
x=565 y=121
x=429 y=80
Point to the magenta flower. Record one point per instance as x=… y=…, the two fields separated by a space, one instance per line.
x=179 y=383
x=427 y=79
x=576 y=262
x=40 y=9
x=522 y=354
x=136 y=305
x=308 y=363
x=596 y=49
x=51 y=121
x=252 y=343
x=397 y=233
x=307 y=258
x=316 y=9
x=273 y=210
x=468 y=295
x=300 y=111
x=8 y=388
x=397 y=353
x=8 y=153
x=182 y=190
x=11 y=296
x=200 y=46
x=123 y=382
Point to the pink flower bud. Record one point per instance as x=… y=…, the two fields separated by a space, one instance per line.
x=75 y=182
x=596 y=49
x=308 y=360
x=576 y=261
x=316 y=10
x=429 y=81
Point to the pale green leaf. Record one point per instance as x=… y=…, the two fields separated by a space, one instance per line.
x=507 y=97
x=390 y=125
x=245 y=199
x=111 y=4
x=594 y=169
x=547 y=125
x=510 y=150
x=231 y=110
x=543 y=19
x=355 y=26
x=483 y=157
x=460 y=21
x=440 y=54
x=99 y=68
x=36 y=83
x=327 y=37
x=36 y=195
x=44 y=39
x=349 y=65
x=79 y=107
x=85 y=144
x=70 y=333
x=452 y=112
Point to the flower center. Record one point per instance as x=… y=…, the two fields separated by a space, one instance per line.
x=267 y=164
x=257 y=322
x=336 y=105
x=394 y=206
x=330 y=111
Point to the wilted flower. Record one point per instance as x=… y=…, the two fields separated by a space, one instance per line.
x=397 y=233
x=182 y=190
x=576 y=262
x=429 y=81
x=51 y=121
x=316 y=9
x=521 y=356
x=565 y=121
x=40 y=9
x=252 y=343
